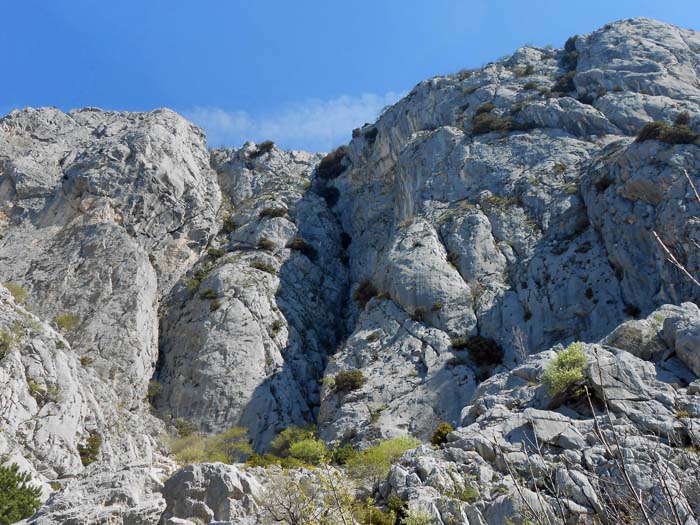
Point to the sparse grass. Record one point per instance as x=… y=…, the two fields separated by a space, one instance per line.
x=209 y=293
x=67 y=322
x=216 y=253
x=267 y=245
x=272 y=213
x=300 y=245
x=231 y=446
x=19 y=293
x=263 y=267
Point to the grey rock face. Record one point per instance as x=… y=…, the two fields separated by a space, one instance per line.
x=211 y=492
x=549 y=226
x=510 y=203
x=255 y=357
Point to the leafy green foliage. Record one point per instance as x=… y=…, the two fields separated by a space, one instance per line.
x=18 y=498
x=90 y=451
x=154 y=390
x=349 y=380
x=440 y=434
x=372 y=464
x=281 y=444
x=566 y=370
x=310 y=451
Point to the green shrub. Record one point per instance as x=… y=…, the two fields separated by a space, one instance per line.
x=310 y=451
x=229 y=225
x=90 y=451
x=7 y=341
x=214 y=305
x=488 y=107
x=418 y=315
x=331 y=166
x=216 y=253
x=194 y=283
x=263 y=267
x=67 y=322
x=372 y=464
x=682 y=119
x=19 y=293
x=267 y=245
x=570 y=58
x=86 y=361
x=349 y=380
x=272 y=213
x=184 y=428
x=300 y=245
x=364 y=292
x=371 y=515
x=18 y=498
x=154 y=390
x=281 y=444
x=440 y=434
x=676 y=134
x=341 y=455
x=567 y=370
x=565 y=83
x=419 y=517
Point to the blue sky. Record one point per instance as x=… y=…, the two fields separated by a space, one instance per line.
x=300 y=72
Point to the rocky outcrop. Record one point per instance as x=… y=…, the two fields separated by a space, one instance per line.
x=448 y=253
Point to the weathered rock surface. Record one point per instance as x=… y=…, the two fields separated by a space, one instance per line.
x=511 y=203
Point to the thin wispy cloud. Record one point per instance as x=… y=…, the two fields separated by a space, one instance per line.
x=313 y=125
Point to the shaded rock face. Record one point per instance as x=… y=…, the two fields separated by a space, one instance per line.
x=248 y=343
x=487 y=216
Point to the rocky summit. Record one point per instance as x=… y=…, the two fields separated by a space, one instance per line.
x=482 y=310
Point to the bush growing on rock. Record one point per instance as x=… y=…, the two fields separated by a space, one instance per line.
x=281 y=444
x=90 y=451
x=267 y=245
x=300 y=245
x=331 y=166
x=264 y=147
x=310 y=451
x=263 y=267
x=484 y=351
x=372 y=464
x=676 y=134
x=349 y=380
x=272 y=213
x=364 y=292
x=440 y=434
x=567 y=370
x=18 y=498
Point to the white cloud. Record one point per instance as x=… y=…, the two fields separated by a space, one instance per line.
x=313 y=125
